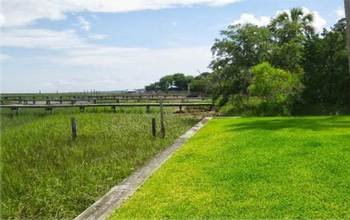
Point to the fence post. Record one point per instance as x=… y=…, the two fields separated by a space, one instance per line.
x=148 y=109
x=74 y=128
x=162 y=128
x=180 y=109
x=154 y=130
x=49 y=110
x=14 y=111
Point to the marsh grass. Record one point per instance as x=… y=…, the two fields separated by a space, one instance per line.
x=45 y=174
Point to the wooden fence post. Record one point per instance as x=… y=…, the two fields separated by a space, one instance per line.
x=49 y=110
x=154 y=130
x=162 y=128
x=14 y=111
x=180 y=109
x=74 y=128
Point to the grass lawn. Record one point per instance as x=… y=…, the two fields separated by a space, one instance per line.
x=253 y=168
x=44 y=174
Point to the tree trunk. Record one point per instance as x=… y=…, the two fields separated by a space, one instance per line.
x=347 y=14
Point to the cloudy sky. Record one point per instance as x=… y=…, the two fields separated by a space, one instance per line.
x=77 y=45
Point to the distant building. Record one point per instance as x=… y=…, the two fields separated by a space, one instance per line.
x=173 y=88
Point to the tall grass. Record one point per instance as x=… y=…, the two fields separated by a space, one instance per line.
x=45 y=174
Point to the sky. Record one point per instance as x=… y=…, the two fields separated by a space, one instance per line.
x=104 y=45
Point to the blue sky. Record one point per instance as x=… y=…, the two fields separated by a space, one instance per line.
x=61 y=45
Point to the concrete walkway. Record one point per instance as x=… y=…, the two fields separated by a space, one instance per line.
x=112 y=200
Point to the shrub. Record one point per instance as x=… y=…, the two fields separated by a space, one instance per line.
x=272 y=91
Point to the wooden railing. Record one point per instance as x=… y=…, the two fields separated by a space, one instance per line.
x=50 y=107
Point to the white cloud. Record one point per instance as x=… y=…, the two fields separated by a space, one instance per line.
x=247 y=18
x=2 y=20
x=40 y=38
x=127 y=68
x=97 y=36
x=4 y=57
x=79 y=57
x=84 y=24
x=19 y=13
x=172 y=59
x=319 y=23
x=340 y=13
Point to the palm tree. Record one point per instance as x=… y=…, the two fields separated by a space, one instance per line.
x=291 y=25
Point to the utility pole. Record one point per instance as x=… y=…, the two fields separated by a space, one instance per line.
x=347 y=14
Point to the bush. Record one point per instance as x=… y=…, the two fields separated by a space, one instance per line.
x=272 y=91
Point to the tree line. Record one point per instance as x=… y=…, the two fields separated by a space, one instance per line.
x=282 y=68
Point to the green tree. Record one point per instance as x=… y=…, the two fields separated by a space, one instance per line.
x=181 y=81
x=272 y=91
x=290 y=30
x=202 y=84
x=177 y=81
x=241 y=47
x=326 y=79
x=166 y=82
x=292 y=26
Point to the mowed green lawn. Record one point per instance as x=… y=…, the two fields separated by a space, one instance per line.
x=253 y=168
x=46 y=175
